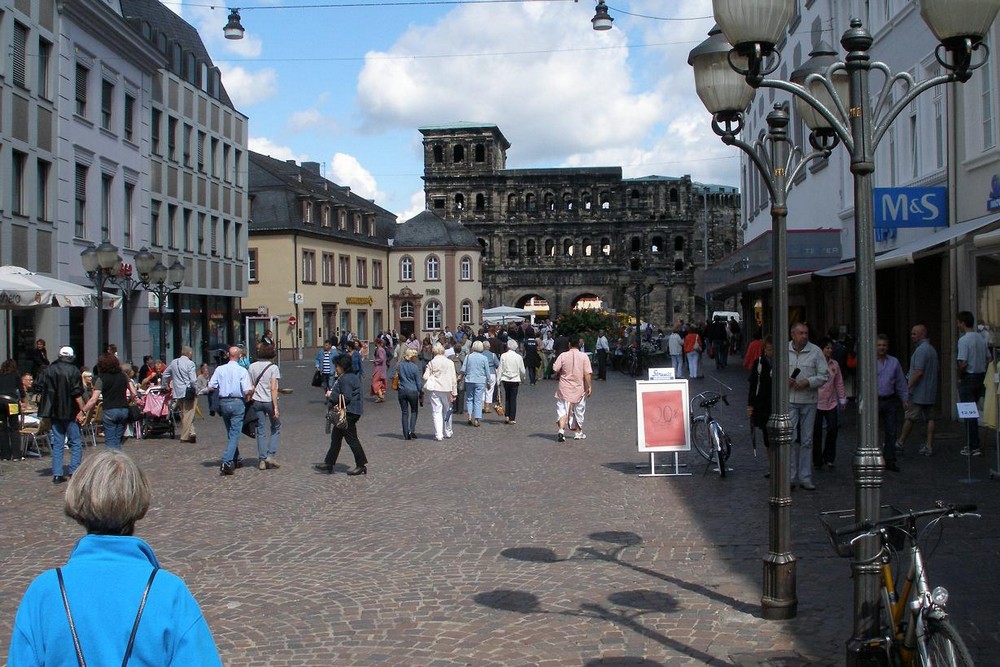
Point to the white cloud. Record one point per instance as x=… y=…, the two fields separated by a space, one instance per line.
x=562 y=93
x=248 y=88
x=311 y=119
x=346 y=170
x=265 y=146
x=418 y=204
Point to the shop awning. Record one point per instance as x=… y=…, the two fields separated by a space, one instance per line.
x=795 y=279
x=905 y=253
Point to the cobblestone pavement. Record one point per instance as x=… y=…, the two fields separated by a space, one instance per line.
x=501 y=546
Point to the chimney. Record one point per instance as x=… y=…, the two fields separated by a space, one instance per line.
x=312 y=167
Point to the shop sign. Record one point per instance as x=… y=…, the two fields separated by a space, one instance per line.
x=993 y=201
x=360 y=300
x=911 y=207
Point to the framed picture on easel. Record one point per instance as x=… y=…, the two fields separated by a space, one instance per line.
x=663 y=416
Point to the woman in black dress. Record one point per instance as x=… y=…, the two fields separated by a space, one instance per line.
x=10 y=411
x=759 y=401
x=347 y=385
x=531 y=356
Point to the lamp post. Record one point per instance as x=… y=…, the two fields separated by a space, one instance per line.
x=161 y=281
x=101 y=265
x=640 y=280
x=832 y=97
x=128 y=283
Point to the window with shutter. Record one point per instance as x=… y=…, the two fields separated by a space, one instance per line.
x=80 y=223
x=107 y=101
x=81 y=89
x=19 y=54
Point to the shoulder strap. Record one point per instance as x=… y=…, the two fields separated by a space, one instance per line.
x=135 y=625
x=261 y=374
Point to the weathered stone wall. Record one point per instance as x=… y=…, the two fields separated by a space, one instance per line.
x=565 y=234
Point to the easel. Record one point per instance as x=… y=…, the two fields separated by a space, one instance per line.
x=652 y=467
x=968 y=411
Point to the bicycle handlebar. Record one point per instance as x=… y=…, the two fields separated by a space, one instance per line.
x=866 y=526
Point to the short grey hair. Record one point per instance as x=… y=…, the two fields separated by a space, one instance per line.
x=438 y=348
x=477 y=346
x=107 y=494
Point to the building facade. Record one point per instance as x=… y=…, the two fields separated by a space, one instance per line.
x=104 y=108
x=318 y=256
x=946 y=139
x=564 y=237
x=435 y=271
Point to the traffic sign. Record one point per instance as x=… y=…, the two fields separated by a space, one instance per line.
x=292 y=321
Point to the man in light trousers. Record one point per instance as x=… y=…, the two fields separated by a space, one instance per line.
x=807 y=372
x=181 y=374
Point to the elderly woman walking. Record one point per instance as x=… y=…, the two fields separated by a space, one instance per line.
x=476 y=370
x=512 y=373
x=346 y=386
x=441 y=382
x=83 y=611
x=410 y=386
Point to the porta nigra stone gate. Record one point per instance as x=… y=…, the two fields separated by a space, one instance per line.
x=568 y=235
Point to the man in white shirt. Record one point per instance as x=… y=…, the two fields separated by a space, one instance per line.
x=603 y=349
x=181 y=374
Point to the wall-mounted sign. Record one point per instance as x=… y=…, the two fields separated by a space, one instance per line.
x=911 y=207
x=360 y=300
x=993 y=201
x=433 y=291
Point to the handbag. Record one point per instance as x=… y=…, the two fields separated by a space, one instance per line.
x=191 y=393
x=250 y=411
x=135 y=625
x=317 y=380
x=134 y=413
x=337 y=415
x=395 y=380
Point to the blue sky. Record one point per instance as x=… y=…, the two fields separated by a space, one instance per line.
x=348 y=86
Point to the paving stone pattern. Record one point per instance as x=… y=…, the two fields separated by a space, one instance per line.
x=501 y=546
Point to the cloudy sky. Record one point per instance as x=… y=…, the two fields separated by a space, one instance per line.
x=347 y=83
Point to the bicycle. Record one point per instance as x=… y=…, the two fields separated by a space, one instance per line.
x=630 y=363
x=707 y=434
x=914 y=625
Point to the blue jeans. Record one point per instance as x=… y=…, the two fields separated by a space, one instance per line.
x=678 y=363
x=232 y=410
x=474 y=392
x=61 y=430
x=803 y=420
x=408 y=409
x=267 y=447
x=115 y=420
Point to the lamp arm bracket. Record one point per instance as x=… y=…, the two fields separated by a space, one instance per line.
x=757 y=153
x=797 y=161
x=886 y=110
x=841 y=130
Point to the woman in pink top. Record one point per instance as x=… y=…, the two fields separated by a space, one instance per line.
x=831 y=401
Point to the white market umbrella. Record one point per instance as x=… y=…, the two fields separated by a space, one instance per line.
x=503 y=314
x=20 y=288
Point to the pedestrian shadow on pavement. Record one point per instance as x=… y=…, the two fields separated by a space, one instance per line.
x=642 y=601
x=622 y=540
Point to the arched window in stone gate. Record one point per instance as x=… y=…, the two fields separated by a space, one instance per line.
x=550 y=248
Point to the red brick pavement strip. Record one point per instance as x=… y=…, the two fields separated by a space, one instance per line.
x=498 y=546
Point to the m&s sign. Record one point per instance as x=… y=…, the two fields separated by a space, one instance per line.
x=911 y=207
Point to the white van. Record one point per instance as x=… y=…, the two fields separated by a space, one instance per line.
x=726 y=314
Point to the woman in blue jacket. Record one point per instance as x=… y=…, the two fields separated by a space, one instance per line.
x=348 y=385
x=475 y=369
x=103 y=585
x=411 y=384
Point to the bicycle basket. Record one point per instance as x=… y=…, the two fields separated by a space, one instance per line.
x=837 y=519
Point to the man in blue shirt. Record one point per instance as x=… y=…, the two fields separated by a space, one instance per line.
x=324 y=363
x=232 y=381
x=972 y=359
x=923 y=385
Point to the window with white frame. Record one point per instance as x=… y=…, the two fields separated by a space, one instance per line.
x=252 y=265
x=466 y=312
x=406 y=310
x=406 y=268
x=308 y=266
x=344 y=266
x=362 y=272
x=989 y=113
x=432 y=315
x=328 y=270
x=433 y=268
x=466 y=268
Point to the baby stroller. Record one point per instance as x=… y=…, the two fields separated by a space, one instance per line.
x=157 y=413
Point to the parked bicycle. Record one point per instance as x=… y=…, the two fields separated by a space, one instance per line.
x=913 y=625
x=707 y=434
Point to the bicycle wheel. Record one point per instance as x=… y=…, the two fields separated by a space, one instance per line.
x=720 y=442
x=700 y=436
x=945 y=647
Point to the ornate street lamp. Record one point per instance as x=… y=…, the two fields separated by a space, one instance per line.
x=233 y=28
x=846 y=115
x=101 y=265
x=602 y=20
x=161 y=281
